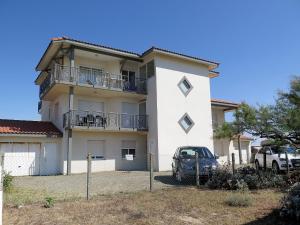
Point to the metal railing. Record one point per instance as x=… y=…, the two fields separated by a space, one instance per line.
x=109 y=121
x=39 y=106
x=91 y=77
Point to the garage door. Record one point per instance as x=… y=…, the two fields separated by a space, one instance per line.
x=49 y=159
x=21 y=159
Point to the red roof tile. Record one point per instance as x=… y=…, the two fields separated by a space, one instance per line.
x=28 y=127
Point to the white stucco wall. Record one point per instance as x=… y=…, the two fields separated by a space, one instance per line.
x=113 y=158
x=172 y=104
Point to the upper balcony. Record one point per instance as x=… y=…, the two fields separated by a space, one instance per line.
x=92 y=78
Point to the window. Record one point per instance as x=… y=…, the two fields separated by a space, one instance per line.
x=128 y=78
x=186 y=123
x=128 y=151
x=128 y=148
x=185 y=86
x=96 y=148
x=147 y=70
x=150 y=69
x=89 y=75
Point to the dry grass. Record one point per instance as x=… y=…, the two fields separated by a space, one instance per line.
x=172 y=206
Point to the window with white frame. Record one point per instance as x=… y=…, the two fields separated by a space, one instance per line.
x=185 y=86
x=186 y=123
x=128 y=149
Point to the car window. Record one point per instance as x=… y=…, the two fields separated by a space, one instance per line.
x=187 y=153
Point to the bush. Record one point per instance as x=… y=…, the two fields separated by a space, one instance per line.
x=291 y=203
x=49 y=202
x=239 y=199
x=7 y=181
x=245 y=177
x=271 y=180
x=220 y=179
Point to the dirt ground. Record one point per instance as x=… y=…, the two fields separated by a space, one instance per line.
x=31 y=189
x=178 y=205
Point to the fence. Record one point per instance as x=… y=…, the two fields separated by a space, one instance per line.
x=91 y=183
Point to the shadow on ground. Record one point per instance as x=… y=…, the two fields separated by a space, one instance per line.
x=170 y=180
x=273 y=218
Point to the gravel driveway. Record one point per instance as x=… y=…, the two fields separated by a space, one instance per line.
x=101 y=183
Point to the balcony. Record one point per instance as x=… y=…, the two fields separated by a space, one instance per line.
x=105 y=121
x=89 y=77
x=39 y=106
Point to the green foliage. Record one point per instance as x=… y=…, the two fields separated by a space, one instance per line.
x=239 y=199
x=220 y=179
x=7 y=181
x=245 y=178
x=49 y=202
x=279 y=122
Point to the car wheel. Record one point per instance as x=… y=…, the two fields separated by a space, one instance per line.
x=257 y=165
x=275 y=167
x=173 y=174
x=178 y=176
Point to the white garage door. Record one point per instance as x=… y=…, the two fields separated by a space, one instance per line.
x=21 y=159
x=49 y=159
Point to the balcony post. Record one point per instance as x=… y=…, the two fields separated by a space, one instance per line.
x=72 y=64
x=69 y=150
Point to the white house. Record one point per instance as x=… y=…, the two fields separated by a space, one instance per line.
x=117 y=105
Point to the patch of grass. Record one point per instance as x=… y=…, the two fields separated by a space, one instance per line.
x=7 y=182
x=174 y=206
x=237 y=199
x=49 y=202
x=25 y=196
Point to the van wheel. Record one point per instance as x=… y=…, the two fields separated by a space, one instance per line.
x=257 y=165
x=275 y=167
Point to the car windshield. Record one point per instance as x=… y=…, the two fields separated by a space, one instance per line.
x=190 y=152
x=289 y=150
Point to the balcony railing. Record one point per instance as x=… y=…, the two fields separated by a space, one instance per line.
x=91 y=77
x=39 y=106
x=108 y=121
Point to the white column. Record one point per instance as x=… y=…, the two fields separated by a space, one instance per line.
x=69 y=150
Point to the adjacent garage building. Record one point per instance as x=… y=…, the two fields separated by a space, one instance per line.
x=30 y=147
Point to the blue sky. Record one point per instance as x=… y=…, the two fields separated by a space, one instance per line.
x=257 y=42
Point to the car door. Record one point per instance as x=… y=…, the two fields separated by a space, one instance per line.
x=269 y=157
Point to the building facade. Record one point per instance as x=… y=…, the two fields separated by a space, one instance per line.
x=120 y=106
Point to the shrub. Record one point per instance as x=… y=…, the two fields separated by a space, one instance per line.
x=270 y=180
x=49 y=202
x=241 y=199
x=220 y=179
x=291 y=203
x=7 y=181
x=245 y=177
x=246 y=170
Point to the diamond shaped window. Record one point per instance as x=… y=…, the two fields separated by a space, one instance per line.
x=186 y=123
x=185 y=86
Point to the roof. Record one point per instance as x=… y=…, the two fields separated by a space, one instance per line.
x=161 y=50
x=25 y=127
x=116 y=51
x=228 y=105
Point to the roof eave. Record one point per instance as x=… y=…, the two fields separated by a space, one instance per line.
x=211 y=65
